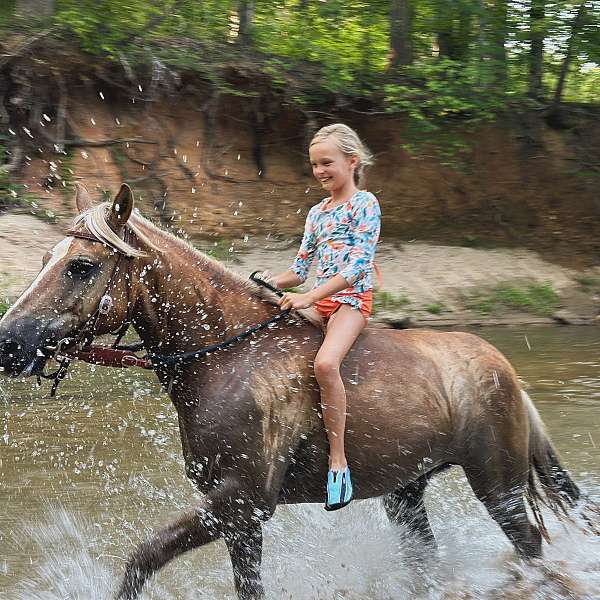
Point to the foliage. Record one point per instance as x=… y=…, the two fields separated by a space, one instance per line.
x=4 y=306
x=536 y=298
x=588 y=282
x=436 y=308
x=383 y=300
x=221 y=249
x=469 y=60
x=7 y=8
x=435 y=93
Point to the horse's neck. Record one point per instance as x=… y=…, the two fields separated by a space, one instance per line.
x=183 y=304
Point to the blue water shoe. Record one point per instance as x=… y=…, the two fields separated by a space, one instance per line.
x=339 y=489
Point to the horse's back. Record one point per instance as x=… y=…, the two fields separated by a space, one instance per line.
x=427 y=381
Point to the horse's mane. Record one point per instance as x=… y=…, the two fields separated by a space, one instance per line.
x=96 y=222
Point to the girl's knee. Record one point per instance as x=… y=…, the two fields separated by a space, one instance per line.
x=326 y=368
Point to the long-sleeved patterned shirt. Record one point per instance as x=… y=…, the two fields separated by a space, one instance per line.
x=343 y=240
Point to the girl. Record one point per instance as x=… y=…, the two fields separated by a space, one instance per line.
x=341 y=233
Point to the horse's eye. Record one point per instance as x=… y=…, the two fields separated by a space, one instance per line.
x=80 y=268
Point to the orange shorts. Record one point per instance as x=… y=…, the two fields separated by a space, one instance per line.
x=329 y=305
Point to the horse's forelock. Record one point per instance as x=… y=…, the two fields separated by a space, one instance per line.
x=96 y=222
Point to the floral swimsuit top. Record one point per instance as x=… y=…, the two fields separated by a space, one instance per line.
x=343 y=240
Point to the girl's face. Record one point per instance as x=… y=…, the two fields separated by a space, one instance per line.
x=331 y=167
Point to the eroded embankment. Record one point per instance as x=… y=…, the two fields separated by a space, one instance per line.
x=229 y=166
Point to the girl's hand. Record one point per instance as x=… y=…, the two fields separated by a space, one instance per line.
x=267 y=276
x=291 y=301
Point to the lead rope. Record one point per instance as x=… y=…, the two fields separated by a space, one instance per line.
x=176 y=360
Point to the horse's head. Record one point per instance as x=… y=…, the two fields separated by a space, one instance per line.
x=79 y=275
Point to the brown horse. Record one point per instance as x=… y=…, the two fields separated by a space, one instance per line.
x=252 y=436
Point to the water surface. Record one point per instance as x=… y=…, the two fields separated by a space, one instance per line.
x=86 y=475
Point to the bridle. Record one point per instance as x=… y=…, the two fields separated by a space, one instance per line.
x=81 y=348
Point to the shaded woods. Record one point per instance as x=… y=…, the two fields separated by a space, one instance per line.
x=482 y=114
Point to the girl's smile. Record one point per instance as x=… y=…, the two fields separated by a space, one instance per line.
x=333 y=169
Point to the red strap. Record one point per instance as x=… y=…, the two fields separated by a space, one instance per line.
x=110 y=357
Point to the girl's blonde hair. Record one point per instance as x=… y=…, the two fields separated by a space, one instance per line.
x=347 y=140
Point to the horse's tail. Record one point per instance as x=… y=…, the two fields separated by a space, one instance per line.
x=560 y=491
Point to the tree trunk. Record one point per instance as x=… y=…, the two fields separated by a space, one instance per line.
x=464 y=32
x=481 y=41
x=497 y=36
x=34 y=8
x=246 y=17
x=400 y=31
x=453 y=24
x=493 y=30
x=536 y=51
x=444 y=44
x=575 y=28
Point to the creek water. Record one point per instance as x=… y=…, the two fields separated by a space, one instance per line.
x=86 y=475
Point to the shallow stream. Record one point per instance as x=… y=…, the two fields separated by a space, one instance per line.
x=86 y=475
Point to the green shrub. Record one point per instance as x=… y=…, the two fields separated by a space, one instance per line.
x=435 y=309
x=588 y=281
x=4 y=306
x=537 y=298
x=388 y=301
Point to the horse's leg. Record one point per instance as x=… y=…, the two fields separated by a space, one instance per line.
x=189 y=531
x=245 y=550
x=405 y=506
x=500 y=483
x=224 y=510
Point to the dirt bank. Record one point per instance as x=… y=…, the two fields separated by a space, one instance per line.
x=232 y=170
x=428 y=277
x=233 y=165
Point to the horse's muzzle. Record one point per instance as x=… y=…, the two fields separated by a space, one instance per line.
x=16 y=361
x=22 y=351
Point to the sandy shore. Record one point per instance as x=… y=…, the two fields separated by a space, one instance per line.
x=422 y=273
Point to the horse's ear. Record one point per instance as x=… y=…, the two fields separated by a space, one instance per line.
x=83 y=200
x=122 y=206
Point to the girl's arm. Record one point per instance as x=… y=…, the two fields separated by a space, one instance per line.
x=295 y=301
x=287 y=279
x=298 y=272
x=332 y=286
x=366 y=225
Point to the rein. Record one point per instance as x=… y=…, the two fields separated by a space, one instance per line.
x=124 y=356
x=177 y=359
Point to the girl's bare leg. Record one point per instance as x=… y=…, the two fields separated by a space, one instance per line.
x=343 y=328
